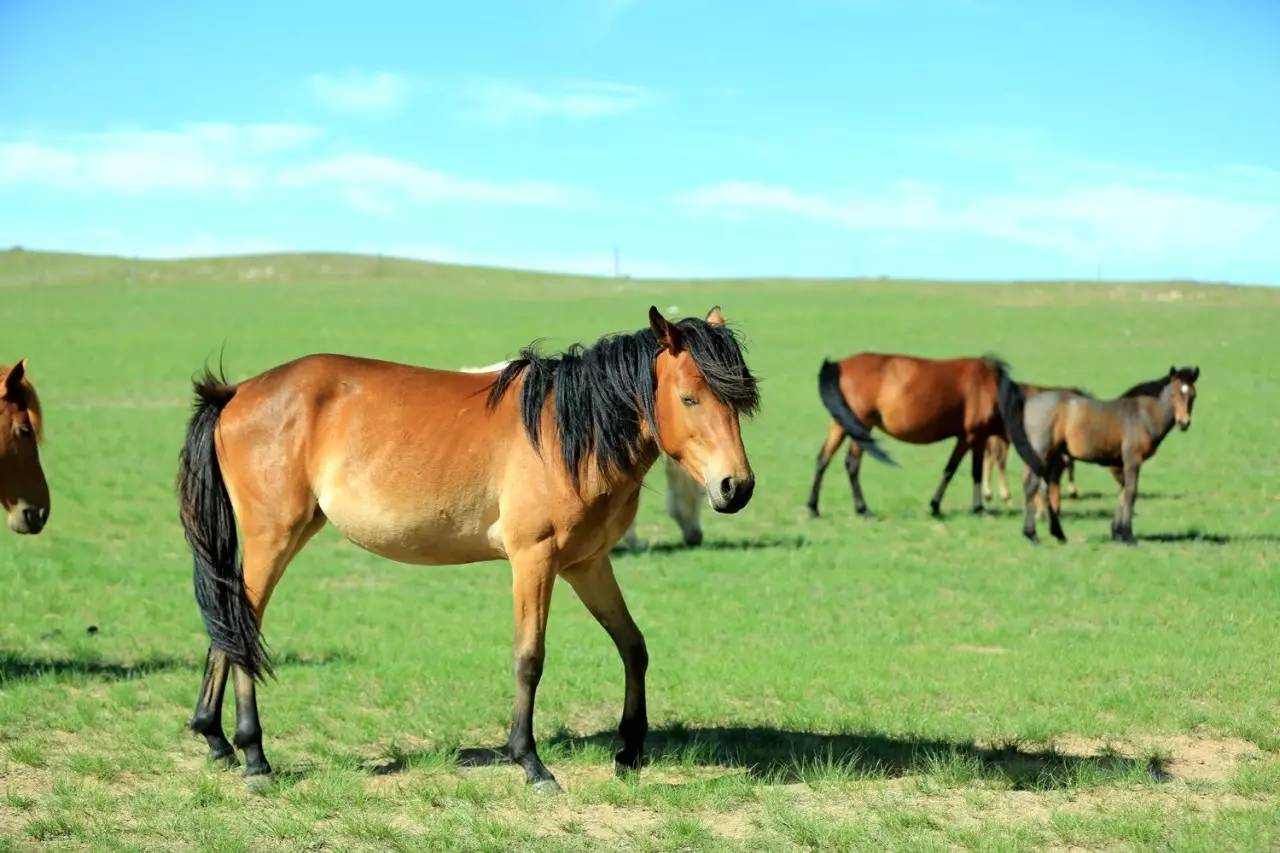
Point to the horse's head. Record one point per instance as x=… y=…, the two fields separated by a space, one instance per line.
x=1182 y=391
x=24 y=494
x=703 y=385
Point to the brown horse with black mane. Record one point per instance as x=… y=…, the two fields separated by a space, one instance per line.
x=1121 y=434
x=540 y=464
x=921 y=401
x=24 y=492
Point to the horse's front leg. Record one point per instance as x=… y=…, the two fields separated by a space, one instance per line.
x=596 y=586
x=533 y=575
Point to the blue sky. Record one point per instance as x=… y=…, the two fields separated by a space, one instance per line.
x=934 y=138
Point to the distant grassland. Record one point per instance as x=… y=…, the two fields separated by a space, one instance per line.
x=899 y=682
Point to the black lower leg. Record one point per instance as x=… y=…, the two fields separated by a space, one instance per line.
x=520 y=744
x=935 y=503
x=207 y=719
x=818 y=471
x=979 y=449
x=1030 y=487
x=853 y=465
x=634 y=726
x=248 y=735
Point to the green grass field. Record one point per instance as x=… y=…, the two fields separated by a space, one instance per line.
x=900 y=682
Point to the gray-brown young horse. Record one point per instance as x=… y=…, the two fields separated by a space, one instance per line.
x=1122 y=434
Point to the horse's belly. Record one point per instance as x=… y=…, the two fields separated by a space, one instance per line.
x=425 y=532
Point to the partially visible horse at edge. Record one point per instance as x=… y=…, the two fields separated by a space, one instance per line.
x=997 y=455
x=920 y=401
x=24 y=492
x=540 y=464
x=1121 y=434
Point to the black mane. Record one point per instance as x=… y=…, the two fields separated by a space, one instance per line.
x=1155 y=386
x=603 y=393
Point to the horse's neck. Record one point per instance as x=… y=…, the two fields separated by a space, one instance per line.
x=1159 y=417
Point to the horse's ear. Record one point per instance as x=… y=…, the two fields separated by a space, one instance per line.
x=13 y=380
x=715 y=316
x=667 y=334
x=1173 y=371
x=1195 y=373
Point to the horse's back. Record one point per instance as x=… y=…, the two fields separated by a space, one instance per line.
x=919 y=400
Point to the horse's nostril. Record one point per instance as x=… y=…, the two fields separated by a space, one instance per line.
x=726 y=487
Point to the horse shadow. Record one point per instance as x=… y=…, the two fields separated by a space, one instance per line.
x=1196 y=535
x=784 y=756
x=16 y=667
x=757 y=544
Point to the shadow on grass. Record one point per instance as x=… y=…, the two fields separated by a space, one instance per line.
x=782 y=756
x=16 y=667
x=760 y=543
x=1200 y=536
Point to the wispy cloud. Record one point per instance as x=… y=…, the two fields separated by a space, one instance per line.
x=218 y=159
x=506 y=101
x=372 y=93
x=209 y=156
x=1083 y=222
x=380 y=179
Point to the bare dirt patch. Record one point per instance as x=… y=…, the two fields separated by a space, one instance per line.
x=1190 y=758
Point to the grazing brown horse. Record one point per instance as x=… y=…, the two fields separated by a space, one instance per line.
x=1121 y=434
x=918 y=400
x=24 y=493
x=540 y=464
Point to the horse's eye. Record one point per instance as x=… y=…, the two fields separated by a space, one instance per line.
x=26 y=429
x=689 y=401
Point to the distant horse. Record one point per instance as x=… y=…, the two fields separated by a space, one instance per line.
x=684 y=505
x=540 y=464
x=684 y=494
x=1121 y=434
x=921 y=401
x=997 y=454
x=24 y=493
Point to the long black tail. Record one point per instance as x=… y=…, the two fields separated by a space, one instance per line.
x=210 y=525
x=1011 y=401
x=829 y=391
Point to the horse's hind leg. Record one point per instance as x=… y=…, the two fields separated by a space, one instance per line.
x=267 y=552
x=207 y=719
x=1030 y=488
x=979 y=459
x=957 y=453
x=1054 y=501
x=1072 y=490
x=853 y=465
x=596 y=586
x=835 y=435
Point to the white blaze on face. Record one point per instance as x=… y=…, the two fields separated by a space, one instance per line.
x=1186 y=389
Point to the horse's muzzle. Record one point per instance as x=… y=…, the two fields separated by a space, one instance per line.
x=732 y=494
x=28 y=519
x=1184 y=425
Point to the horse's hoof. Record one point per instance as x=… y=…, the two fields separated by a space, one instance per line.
x=979 y=509
x=547 y=787
x=259 y=783
x=223 y=759
x=935 y=510
x=1033 y=538
x=813 y=512
x=625 y=770
x=862 y=511
x=694 y=539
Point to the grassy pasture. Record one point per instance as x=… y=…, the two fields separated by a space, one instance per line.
x=898 y=682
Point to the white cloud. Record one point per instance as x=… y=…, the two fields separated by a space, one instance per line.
x=388 y=176
x=196 y=157
x=1085 y=222
x=378 y=92
x=506 y=101
x=241 y=160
